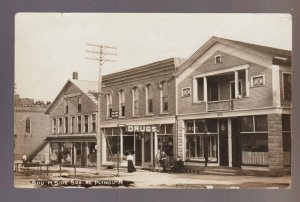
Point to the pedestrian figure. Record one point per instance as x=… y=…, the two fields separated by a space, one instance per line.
x=157 y=160
x=24 y=159
x=130 y=166
x=163 y=161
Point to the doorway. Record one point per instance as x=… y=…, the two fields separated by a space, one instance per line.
x=223 y=138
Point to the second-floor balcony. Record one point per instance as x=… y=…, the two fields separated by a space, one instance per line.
x=222 y=90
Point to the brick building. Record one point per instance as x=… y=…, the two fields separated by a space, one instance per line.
x=31 y=126
x=234 y=106
x=138 y=112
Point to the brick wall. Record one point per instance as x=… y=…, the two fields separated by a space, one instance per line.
x=128 y=86
x=275 y=155
x=40 y=128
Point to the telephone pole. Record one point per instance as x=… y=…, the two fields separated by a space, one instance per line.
x=102 y=58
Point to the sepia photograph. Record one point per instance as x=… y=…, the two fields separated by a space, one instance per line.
x=152 y=100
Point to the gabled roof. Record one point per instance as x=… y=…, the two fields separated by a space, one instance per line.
x=86 y=87
x=268 y=52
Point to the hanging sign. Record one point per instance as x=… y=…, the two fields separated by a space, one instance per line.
x=152 y=128
x=115 y=114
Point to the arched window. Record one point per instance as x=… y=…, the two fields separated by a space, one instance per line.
x=149 y=99
x=164 y=97
x=135 y=101
x=121 y=103
x=28 y=125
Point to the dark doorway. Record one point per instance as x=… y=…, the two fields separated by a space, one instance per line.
x=83 y=154
x=138 y=149
x=236 y=142
x=223 y=137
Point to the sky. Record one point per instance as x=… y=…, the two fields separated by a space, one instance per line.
x=49 y=47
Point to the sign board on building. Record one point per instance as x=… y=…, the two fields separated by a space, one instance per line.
x=115 y=114
x=151 y=128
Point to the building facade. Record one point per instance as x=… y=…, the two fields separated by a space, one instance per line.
x=234 y=106
x=229 y=105
x=138 y=113
x=73 y=116
x=31 y=127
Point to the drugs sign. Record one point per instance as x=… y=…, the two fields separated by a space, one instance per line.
x=152 y=128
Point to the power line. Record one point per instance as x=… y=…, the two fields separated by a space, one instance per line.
x=102 y=54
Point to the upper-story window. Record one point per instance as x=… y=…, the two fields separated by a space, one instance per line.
x=287 y=87
x=79 y=124
x=54 y=125
x=164 y=97
x=93 y=123
x=121 y=103
x=28 y=125
x=86 y=123
x=60 y=124
x=66 y=126
x=79 y=104
x=72 y=124
x=218 y=59
x=66 y=106
x=257 y=80
x=149 y=99
x=109 y=105
x=135 y=101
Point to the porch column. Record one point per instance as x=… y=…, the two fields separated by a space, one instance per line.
x=275 y=85
x=236 y=84
x=121 y=145
x=229 y=143
x=247 y=82
x=47 y=153
x=205 y=89
x=195 y=90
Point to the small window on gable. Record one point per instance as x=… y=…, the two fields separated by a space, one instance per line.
x=218 y=59
x=258 y=81
x=186 y=92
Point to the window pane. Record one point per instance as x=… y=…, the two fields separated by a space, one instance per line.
x=255 y=142
x=200 y=89
x=189 y=127
x=287 y=86
x=247 y=124
x=261 y=123
x=195 y=147
x=150 y=92
x=286 y=139
x=286 y=122
x=112 y=147
x=169 y=128
x=150 y=106
x=212 y=125
x=199 y=126
x=165 y=143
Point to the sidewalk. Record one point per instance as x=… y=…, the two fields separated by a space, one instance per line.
x=149 y=179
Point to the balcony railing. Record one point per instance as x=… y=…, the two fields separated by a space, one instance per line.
x=220 y=105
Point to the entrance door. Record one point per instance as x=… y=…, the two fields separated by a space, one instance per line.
x=138 y=149
x=236 y=143
x=223 y=138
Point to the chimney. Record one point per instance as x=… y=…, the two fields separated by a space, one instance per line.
x=75 y=75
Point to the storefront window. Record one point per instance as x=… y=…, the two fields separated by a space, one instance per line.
x=92 y=155
x=254 y=140
x=66 y=153
x=128 y=143
x=189 y=126
x=78 y=153
x=113 y=139
x=54 y=152
x=196 y=143
x=247 y=124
